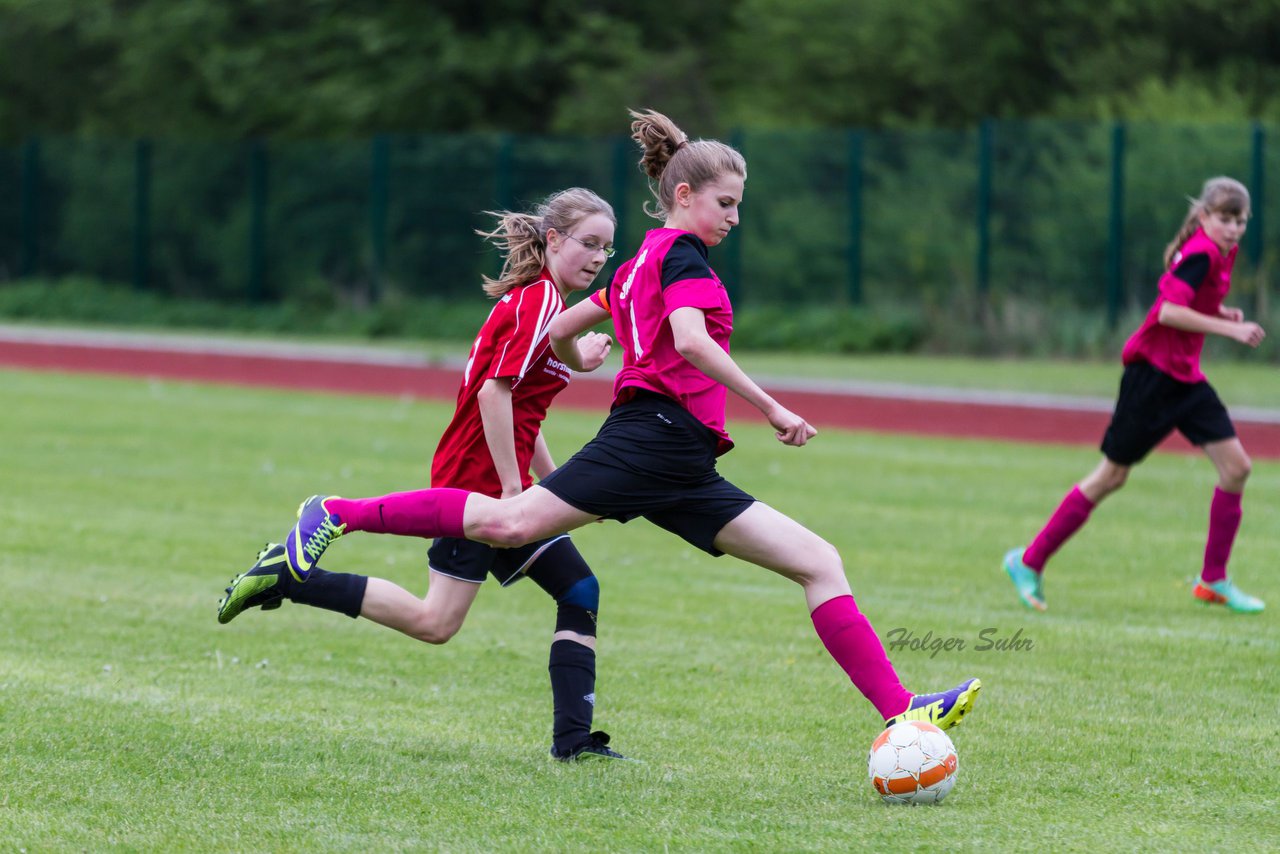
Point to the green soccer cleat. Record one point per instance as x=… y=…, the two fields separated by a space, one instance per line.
x=261 y=587
x=944 y=710
x=1026 y=580
x=1224 y=592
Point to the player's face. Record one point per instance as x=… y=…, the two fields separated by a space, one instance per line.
x=1224 y=229
x=576 y=256
x=712 y=211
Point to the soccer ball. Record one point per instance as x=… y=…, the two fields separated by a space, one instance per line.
x=912 y=762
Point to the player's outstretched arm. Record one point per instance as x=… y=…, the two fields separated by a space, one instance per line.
x=695 y=344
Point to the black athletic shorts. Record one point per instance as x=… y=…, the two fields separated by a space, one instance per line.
x=1152 y=405
x=652 y=458
x=468 y=561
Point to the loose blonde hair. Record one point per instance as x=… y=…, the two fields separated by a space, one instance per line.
x=522 y=237
x=1220 y=195
x=670 y=158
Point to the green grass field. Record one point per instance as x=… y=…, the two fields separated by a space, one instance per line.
x=130 y=720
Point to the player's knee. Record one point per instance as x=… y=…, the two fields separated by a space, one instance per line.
x=1236 y=472
x=505 y=532
x=823 y=565
x=432 y=630
x=1112 y=480
x=584 y=593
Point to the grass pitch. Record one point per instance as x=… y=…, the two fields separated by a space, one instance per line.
x=130 y=720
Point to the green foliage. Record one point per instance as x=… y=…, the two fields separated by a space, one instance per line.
x=325 y=68
x=828 y=330
x=86 y=301
x=132 y=721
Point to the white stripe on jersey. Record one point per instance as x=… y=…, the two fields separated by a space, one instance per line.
x=475 y=348
x=547 y=310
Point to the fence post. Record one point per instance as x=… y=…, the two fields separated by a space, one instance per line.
x=379 y=194
x=733 y=249
x=855 y=216
x=30 y=207
x=622 y=153
x=141 y=214
x=1115 y=232
x=257 y=218
x=982 y=264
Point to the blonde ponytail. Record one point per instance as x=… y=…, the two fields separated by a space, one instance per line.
x=522 y=237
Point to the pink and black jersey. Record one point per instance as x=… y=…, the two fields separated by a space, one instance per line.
x=1199 y=278
x=670 y=271
x=512 y=344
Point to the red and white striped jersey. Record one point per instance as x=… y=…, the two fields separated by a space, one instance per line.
x=512 y=344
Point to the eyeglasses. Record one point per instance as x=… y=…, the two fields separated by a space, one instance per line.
x=593 y=247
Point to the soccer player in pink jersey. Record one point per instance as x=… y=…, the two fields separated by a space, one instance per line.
x=655 y=455
x=1163 y=389
x=489 y=447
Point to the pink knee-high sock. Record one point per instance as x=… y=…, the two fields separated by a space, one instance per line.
x=1070 y=516
x=421 y=513
x=853 y=643
x=1224 y=521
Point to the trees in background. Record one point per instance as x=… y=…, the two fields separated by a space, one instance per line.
x=340 y=68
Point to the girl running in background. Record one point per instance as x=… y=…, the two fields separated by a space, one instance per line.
x=655 y=455
x=489 y=447
x=1162 y=389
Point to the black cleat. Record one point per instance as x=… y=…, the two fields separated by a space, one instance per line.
x=595 y=747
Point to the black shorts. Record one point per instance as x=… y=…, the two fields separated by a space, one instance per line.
x=652 y=458
x=1152 y=405
x=468 y=561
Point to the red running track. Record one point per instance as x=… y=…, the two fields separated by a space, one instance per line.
x=967 y=419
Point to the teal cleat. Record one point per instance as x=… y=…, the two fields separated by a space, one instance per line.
x=316 y=529
x=1026 y=580
x=1224 y=592
x=944 y=710
x=263 y=586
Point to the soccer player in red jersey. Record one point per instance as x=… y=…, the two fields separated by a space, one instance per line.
x=489 y=448
x=1163 y=389
x=655 y=455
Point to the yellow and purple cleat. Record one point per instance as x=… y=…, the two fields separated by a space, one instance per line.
x=945 y=709
x=316 y=529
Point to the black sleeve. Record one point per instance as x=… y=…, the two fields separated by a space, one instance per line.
x=686 y=259
x=1192 y=269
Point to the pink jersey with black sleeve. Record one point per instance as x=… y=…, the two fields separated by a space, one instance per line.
x=669 y=271
x=1199 y=277
x=512 y=344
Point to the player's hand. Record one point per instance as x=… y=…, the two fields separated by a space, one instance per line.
x=1235 y=315
x=593 y=349
x=790 y=428
x=512 y=491
x=1249 y=333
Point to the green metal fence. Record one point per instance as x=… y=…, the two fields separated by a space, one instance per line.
x=1064 y=214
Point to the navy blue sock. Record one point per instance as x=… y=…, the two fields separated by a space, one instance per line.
x=333 y=591
x=573 y=690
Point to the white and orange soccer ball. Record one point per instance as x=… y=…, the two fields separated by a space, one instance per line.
x=912 y=762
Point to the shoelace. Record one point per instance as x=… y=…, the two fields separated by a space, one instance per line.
x=320 y=538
